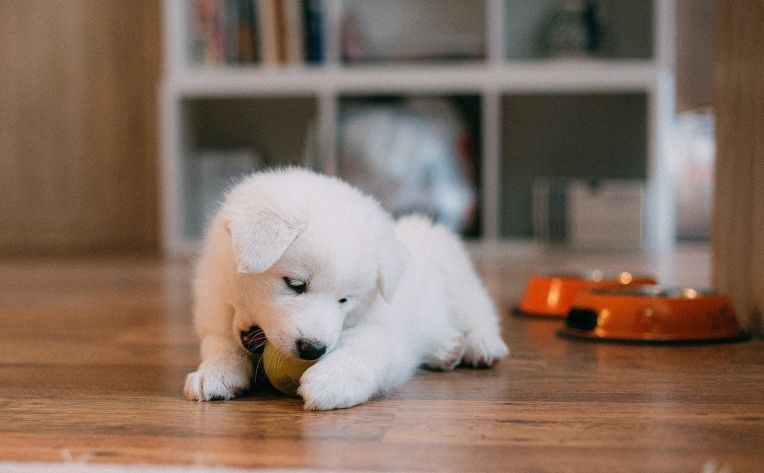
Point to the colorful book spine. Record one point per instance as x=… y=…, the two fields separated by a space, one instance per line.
x=269 y=32
x=268 y=24
x=208 y=32
x=247 y=33
x=294 y=31
x=231 y=32
x=313 y=12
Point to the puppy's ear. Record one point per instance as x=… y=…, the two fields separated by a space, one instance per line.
x=392 y=263
x=259 y=240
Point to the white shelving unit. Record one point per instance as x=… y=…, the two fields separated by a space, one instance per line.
x=497 y=79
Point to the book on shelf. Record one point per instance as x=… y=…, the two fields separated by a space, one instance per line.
x=269 y=32
x=313 y=18
x=207 y=26
x=249 y=43
x=294 y=31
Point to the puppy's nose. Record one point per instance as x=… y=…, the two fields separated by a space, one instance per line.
x=310 y=349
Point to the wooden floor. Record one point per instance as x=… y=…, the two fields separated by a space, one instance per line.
x=93 y=354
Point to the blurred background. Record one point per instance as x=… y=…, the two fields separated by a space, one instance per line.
x=78 y=114
x=580 y=123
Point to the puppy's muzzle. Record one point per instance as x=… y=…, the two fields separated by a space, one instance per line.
x=310 y=349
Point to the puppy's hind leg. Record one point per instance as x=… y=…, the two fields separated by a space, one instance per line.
x=475 y=316
x=447 y=354
x=482 y=348
x=470 y=310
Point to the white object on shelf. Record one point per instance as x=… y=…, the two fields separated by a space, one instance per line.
x=218 y=171
x=414 y=30
x=411 y=157
x=693 y=156
x=548 y=212
x=605 y=214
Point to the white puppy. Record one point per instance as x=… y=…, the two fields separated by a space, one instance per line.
x=328 y=275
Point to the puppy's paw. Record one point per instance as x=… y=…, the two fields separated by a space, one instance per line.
x=334 y=384
x=482 y=348
x=219 y=379
x=447 y=355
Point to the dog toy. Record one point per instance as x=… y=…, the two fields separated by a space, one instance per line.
x=283 y=371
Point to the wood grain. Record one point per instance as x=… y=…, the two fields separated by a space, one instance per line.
x=694 y=54
x=77 y=113
x=739 y=181
x=93 y=353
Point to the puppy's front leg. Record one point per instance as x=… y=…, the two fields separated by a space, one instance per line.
x=368 y=361
x=226 y=369
x=224 y=373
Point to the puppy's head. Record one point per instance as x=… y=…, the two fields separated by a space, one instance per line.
x=311 y=254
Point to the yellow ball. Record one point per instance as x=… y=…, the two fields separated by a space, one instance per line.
x=283 y=371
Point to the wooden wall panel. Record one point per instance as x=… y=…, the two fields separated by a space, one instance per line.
x=78 y=157
x=738 y=235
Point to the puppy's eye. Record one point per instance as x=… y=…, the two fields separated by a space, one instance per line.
x=296 y=285
x=343 y=300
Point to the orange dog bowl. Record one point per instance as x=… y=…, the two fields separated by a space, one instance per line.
x=552 y=296
x=652 y=314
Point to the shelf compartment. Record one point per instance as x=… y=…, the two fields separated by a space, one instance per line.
x=277 y=131
x=567 y=136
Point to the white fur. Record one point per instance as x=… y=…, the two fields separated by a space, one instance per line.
x=413 y=296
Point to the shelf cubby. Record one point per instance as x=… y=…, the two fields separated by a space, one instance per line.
x=567 y=136
x=275 y=131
